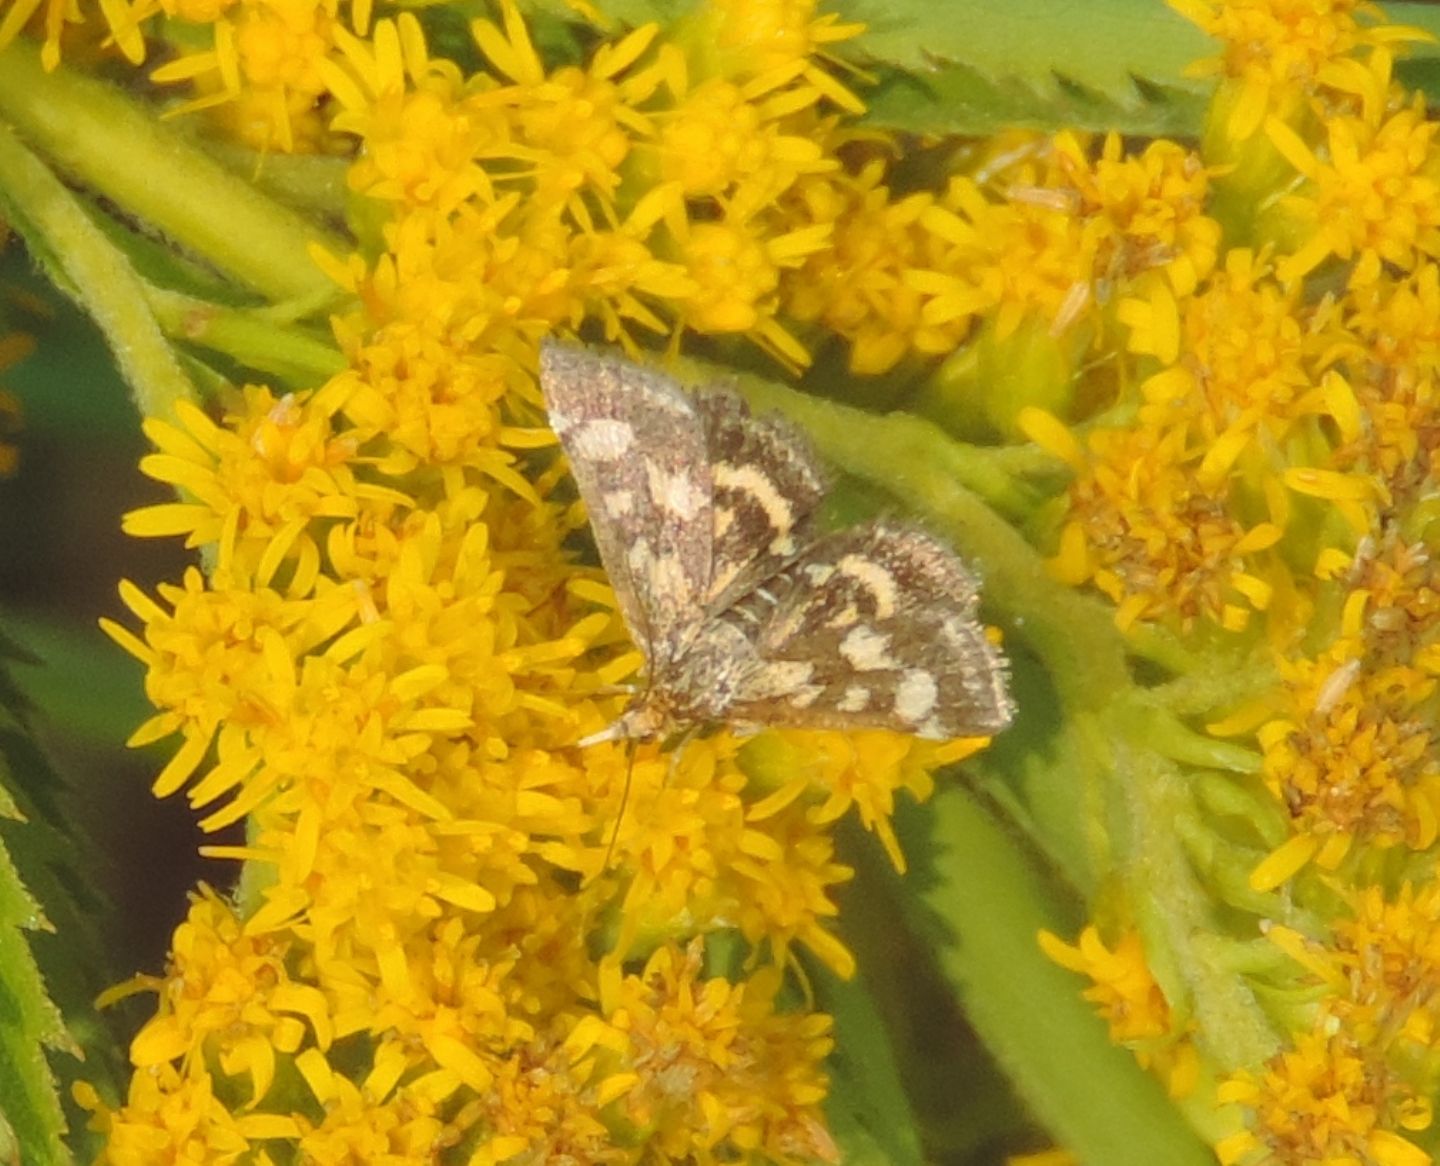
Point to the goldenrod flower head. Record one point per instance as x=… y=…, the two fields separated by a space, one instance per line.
x=64 y=20
x=1159 y=539
x=1387 y=404
x=235 y=1001
x=170 y=1113
x=768 y=43
x=856 y=286
x=1325 y=1101
x=1126 y=995
x=1276 y=48
x=1353 y=758
x=424 y=140
x=1144 y=212
x=263 y=72
x=1385 y=959
x=693 y=1055
x=279 y=466
x=735 y=271
x=1124 y=992
x=1043 y=251
x=1370 y=197
x=720 y=143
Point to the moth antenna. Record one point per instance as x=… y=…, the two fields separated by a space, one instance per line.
x=630 y=745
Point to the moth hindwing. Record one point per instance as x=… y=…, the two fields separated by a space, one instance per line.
x=746 y=614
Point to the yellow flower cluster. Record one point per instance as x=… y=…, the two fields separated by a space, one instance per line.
x=1333 y=1091
x=1125 y=993
x=1261 y=491
x=444 y=938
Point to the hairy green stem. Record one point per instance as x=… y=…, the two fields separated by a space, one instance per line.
x=86 y=263
x=120 y=148
x=252 y=338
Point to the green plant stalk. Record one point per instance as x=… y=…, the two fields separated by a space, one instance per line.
x=285 y=351
x=119 y=147
x=93 y=271
x=1174 y=909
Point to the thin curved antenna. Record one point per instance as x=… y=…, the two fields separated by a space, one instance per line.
x=630 y=746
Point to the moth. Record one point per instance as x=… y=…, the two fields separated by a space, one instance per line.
x=747 y=614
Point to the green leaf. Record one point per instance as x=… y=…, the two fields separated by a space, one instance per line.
x=52 y=952
x=983 y=908
x=956 y=98
x=973 y=67
x=1102 y=45
x=625 y=13
x=31 y=1118
x=867 y=1109
x=88 y=687
x=916 y=1078
x=29 y=1097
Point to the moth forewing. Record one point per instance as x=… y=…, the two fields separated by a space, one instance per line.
x=638 y=454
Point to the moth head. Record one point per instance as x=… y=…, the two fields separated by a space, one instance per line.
x=643 y=720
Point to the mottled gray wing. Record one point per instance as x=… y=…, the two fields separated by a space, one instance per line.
x=875 y=627
x=637 y=450
x=767 y=485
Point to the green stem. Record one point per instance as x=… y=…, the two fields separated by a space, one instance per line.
x=1162 y=732
x=307 y=182
x=93 y=270
x=252 y=338
x=1174 y=908
x=117 y=146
